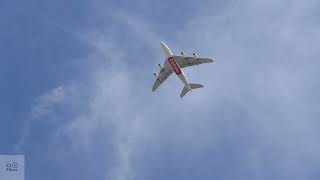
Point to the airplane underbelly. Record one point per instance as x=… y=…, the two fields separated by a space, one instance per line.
x=184 y=80
x=179 y=72
x=174 y=66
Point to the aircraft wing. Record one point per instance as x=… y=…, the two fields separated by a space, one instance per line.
x=165 y=72
x=184 y=61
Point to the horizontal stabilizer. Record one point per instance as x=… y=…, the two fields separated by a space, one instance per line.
x=185 y=90
x=195 y=86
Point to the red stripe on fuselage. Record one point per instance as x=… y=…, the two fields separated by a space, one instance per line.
x=174 y=65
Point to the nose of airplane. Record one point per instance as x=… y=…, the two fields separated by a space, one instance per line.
x=165 y=49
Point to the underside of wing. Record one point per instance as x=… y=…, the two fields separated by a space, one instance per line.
x=184 y=61
x=165 y=72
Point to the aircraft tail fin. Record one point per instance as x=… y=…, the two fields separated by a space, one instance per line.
x=185 y=90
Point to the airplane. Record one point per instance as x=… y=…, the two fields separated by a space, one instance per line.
x=174 y=63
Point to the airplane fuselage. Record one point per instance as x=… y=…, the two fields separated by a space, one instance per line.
x=179 y=72
x=175 y=66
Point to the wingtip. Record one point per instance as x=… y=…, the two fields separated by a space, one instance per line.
x=153 y=89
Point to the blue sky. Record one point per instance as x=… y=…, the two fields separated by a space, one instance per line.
x=76 y=96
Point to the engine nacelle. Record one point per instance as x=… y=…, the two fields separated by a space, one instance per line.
x=155 y=75
x=160 y=66
x=195 y=55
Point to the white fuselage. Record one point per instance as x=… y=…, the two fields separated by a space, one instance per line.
x=175 y=67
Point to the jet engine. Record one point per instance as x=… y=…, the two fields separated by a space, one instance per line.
x=160 y=66
x=155 y=75
x=195 y=55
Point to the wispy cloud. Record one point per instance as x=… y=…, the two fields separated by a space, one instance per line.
x=43 y=106
x=110 y=110
x=45 y=103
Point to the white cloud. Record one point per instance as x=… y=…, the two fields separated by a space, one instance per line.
x=45 y=103
x=109 y=109
x=43 y=107
x=265 y=66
